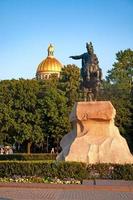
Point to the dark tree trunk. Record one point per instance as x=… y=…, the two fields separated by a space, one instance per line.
x=58 y=145
x=29 y=147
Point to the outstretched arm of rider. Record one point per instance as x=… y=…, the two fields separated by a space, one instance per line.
x=76 y=57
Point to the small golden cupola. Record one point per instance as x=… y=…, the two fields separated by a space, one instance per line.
x=49 y=66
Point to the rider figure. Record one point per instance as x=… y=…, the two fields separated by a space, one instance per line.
x=90 y=71
x=89 y=63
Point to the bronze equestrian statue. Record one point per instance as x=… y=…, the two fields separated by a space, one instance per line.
x=91 y=73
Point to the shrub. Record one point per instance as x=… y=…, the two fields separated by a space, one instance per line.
x=24 y=156
x=62 y=170
x=123 y=172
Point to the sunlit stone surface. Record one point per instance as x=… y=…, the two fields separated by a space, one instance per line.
x=94 y=137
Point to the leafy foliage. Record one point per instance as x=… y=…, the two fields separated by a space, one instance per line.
x=62 y=170
x=25 y=156
x=54 y=113
x=20 y=118
x=31 y=110
x=69 y=83
x=118 y=89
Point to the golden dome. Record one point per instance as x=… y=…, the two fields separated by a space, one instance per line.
x=50 y=64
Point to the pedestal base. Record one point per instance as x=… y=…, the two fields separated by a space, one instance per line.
x=94 y=138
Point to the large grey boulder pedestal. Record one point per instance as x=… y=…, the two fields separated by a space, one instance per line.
x=94 y=137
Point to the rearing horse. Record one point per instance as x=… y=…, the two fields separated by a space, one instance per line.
x=90 y=73
x=91 y=84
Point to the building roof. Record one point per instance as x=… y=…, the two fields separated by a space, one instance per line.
x=50 y=64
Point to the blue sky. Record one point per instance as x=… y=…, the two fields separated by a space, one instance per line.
x=28 y=26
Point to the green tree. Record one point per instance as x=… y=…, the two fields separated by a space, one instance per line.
x=31 y=111
x=122 y=72
x=20 y=120
x=118 y=89
x=69 y=83
x=54 y=114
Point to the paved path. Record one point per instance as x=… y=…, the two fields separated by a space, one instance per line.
x=52 y=194
x=20 y=191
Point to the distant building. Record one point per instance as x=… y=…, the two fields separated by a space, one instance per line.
x=49 y=66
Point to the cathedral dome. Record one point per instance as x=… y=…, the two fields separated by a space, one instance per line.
x=49 y=66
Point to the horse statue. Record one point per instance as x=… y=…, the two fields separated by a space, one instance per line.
x=91 y=74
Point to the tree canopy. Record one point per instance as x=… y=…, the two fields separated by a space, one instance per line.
x=118 y=89
x=32 y=110
x=69 y=83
